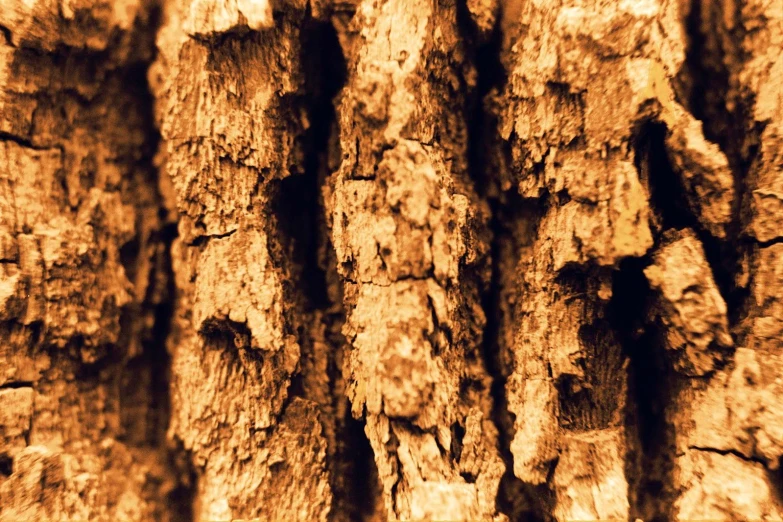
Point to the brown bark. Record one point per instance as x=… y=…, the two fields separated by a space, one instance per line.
x=401 y=260
x=83 y=268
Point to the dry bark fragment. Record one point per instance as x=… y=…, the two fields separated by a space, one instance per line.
x=407 y=229
x=231 y=109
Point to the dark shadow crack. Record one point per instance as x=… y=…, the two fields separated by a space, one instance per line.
x=145 y=386
x=7 y=35
x=671 y=210
x=312 y=282
x=649 y=463
x=770 y=242
x=708 y=84
x=732 y=452
x=26 y=143
x=204 y=239
x=488 y=156
x=16 y=385
x=6 y=465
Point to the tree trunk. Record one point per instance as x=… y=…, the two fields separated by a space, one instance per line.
x=402 y=260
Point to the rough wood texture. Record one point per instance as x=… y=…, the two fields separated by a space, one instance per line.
x=585 y=83
x=730 y=461
x=391 y=260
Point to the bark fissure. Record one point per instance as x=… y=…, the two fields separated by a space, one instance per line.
x=510 y=214
x=301 y=218
x=714 y=32
x=704 y=80
x=654 y=383
x=27 y=143
x=769 y=243
x=672 y=211
x=6 y=465
x=488 y=157
x=721 y=451
x=650 y=458
x=7 y=35
x=16 y=384
x=152 y=366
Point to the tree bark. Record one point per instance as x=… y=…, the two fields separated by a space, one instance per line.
x=402 y=260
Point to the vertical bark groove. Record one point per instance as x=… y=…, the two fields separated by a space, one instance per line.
x=302 y=218
x=153 y=365
x=711 y=95
x=487 y=158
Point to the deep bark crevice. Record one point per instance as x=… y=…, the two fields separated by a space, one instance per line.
x=152 y=367
x=709 y=90
x=666 y=190
x=654 y=383
x=488 y=156
x=16 y=385
x=703 y=81
x=514 y=219
x=775 y=478
x=298 y=209
x=7 y=35
x=301 y=226
x=6 y=465
x=709 y=87
x=765 y=244
x=364 y=489
x=649 y=463
x=671 y=210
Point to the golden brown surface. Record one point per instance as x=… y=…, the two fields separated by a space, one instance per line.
x=391 y=260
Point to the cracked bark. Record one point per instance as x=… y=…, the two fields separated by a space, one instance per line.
x=404 y=260
x=84 y=298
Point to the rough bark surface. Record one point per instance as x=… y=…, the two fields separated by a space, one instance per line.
x=391 y=260
x=83 y=294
